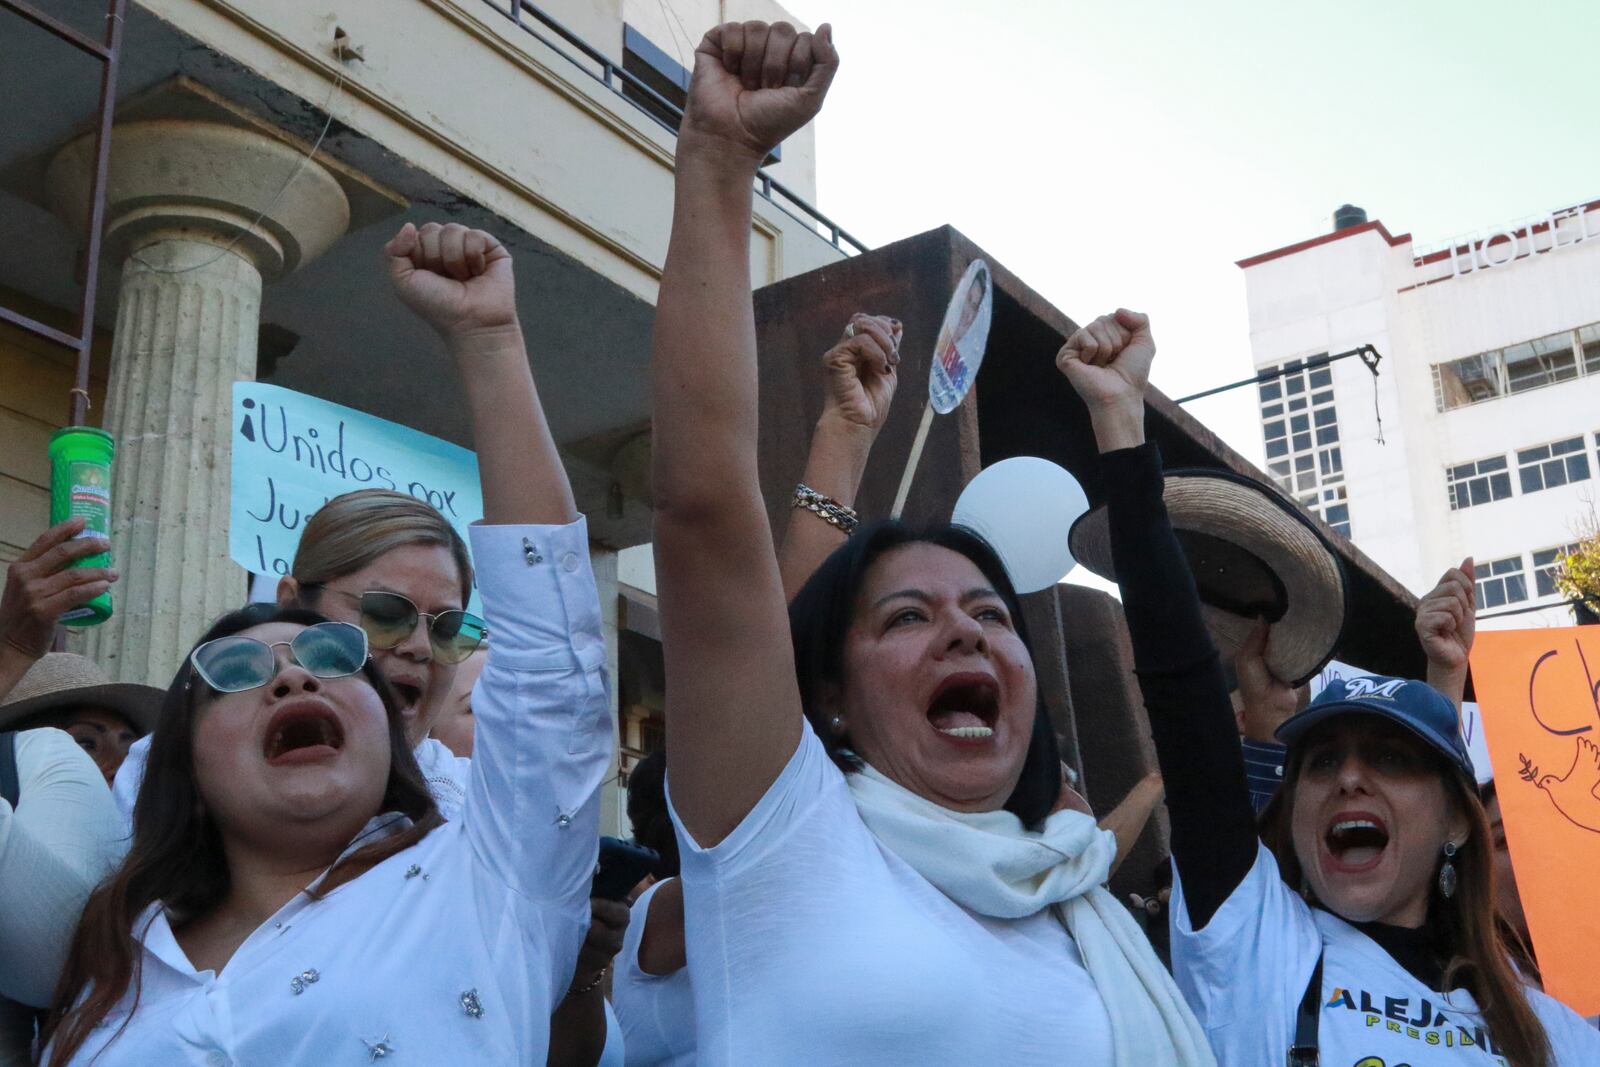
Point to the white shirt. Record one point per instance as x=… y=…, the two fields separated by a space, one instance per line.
x=812 y=945
x=54 y=848
x=1245 y=972
x=457 y=949
x=656 y=1011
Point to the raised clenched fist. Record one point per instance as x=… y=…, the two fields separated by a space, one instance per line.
x=861 y=371
x=1446 y=619
x=456 y=279
x=1108 y=361
x=754 y=84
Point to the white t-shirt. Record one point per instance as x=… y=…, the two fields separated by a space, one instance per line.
x=813 y=945
x=656 y=1010
x=457 y=949
x=1245 y=973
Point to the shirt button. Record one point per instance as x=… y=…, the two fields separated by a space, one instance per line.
x=1278 y=770
x=569 y=562
x=217 y=1058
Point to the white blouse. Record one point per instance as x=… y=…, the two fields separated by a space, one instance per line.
x=457 y=949
x=54 y=848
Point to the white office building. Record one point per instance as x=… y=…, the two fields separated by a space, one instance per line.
x=1479 y=433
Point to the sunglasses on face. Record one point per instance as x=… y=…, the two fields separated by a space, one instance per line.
x=235 y=664
x=389 y=618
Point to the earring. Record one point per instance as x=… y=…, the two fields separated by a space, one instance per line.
x=1447 y=873
x=837 y=722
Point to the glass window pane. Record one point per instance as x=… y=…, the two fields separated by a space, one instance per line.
x=1303 y=463
x=1501 y=483
x=1325 y=416
x=1274 y=430
x=1300 y=423
x=1498 y=463
x=1270 y=390
x=1516 y=588
x=1470 y=380
x=1531 y=482
x=1276 y=448
x=1322 y=376
x=1297 y=404
x=1537 y=363
x=1302 y=442
x=1272 y=411
x=1295 y=385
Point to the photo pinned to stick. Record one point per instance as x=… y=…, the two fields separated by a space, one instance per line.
x=1025 y=507
x=963 y=337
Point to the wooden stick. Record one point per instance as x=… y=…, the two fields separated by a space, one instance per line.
x=911 y=463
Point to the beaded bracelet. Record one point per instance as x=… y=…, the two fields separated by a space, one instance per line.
x=578 y=991
x=825 y=507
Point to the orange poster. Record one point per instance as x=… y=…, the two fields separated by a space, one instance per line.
x=1539 y=693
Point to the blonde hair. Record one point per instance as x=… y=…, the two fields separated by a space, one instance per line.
x=354 y=529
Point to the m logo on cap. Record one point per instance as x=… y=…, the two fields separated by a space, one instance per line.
x=1356 y=688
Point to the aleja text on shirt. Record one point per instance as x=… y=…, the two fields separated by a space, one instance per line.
x=1427 y=1023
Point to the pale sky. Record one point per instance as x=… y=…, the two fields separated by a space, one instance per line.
x=1130 y=151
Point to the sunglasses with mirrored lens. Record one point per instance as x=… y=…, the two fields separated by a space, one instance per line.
x=235 y=664
x=389 y=618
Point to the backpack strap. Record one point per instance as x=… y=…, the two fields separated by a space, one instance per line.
x=10 y=788
x=1304 y=1052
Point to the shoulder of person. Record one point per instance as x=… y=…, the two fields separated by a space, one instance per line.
x=46 y=749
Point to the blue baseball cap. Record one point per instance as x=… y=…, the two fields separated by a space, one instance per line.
x=1417 y=706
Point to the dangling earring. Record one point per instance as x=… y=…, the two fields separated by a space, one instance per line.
x=1447 y=873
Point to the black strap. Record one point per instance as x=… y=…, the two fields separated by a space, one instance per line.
x=10 y=787
x=1304 y=1051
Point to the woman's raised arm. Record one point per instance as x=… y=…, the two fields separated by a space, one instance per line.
x=733 y=707
x=460 y=282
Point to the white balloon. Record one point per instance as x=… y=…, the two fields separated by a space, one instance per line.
x=1025 y=506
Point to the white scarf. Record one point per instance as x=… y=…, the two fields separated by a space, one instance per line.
x=988 y=862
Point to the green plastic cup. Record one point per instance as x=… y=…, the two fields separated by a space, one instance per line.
x=80 y=485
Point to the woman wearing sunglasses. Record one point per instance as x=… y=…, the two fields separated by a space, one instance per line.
x=257 y=919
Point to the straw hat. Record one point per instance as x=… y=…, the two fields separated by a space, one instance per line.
x=1254 y=555
x=61 y=680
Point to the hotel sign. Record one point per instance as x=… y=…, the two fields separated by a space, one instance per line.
x=1541 y=234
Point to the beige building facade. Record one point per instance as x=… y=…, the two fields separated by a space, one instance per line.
x=262 y=153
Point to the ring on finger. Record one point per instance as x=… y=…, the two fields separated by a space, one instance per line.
x=850 y=329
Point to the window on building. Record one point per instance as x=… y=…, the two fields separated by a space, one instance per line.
x=666 y=79
x=1543 y=361
x=1548 y=466
x=1546 y=562
x=1471 y=484
x=1300 y=425
x=1589 y=342
x=1501 y=582
x=1536 y=364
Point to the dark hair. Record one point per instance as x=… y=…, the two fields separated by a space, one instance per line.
x=647 y=810
x=821 y=614
x=1467 y=925
x=177 y=857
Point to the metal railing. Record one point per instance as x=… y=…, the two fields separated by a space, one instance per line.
x=542 y=28
x=105 y=51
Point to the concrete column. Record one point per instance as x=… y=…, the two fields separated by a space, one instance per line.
x=199 y=214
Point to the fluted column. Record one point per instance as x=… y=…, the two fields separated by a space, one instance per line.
x=200 y=215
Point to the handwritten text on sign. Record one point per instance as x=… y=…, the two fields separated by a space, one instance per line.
x=1538 y=692
x=292 y=453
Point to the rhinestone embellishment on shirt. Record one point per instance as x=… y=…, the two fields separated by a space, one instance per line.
x=298 y=983
x=377 y=1050
x=413 y=870
x=471 y=1004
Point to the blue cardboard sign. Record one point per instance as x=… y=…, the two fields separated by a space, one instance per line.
x=292 y=453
